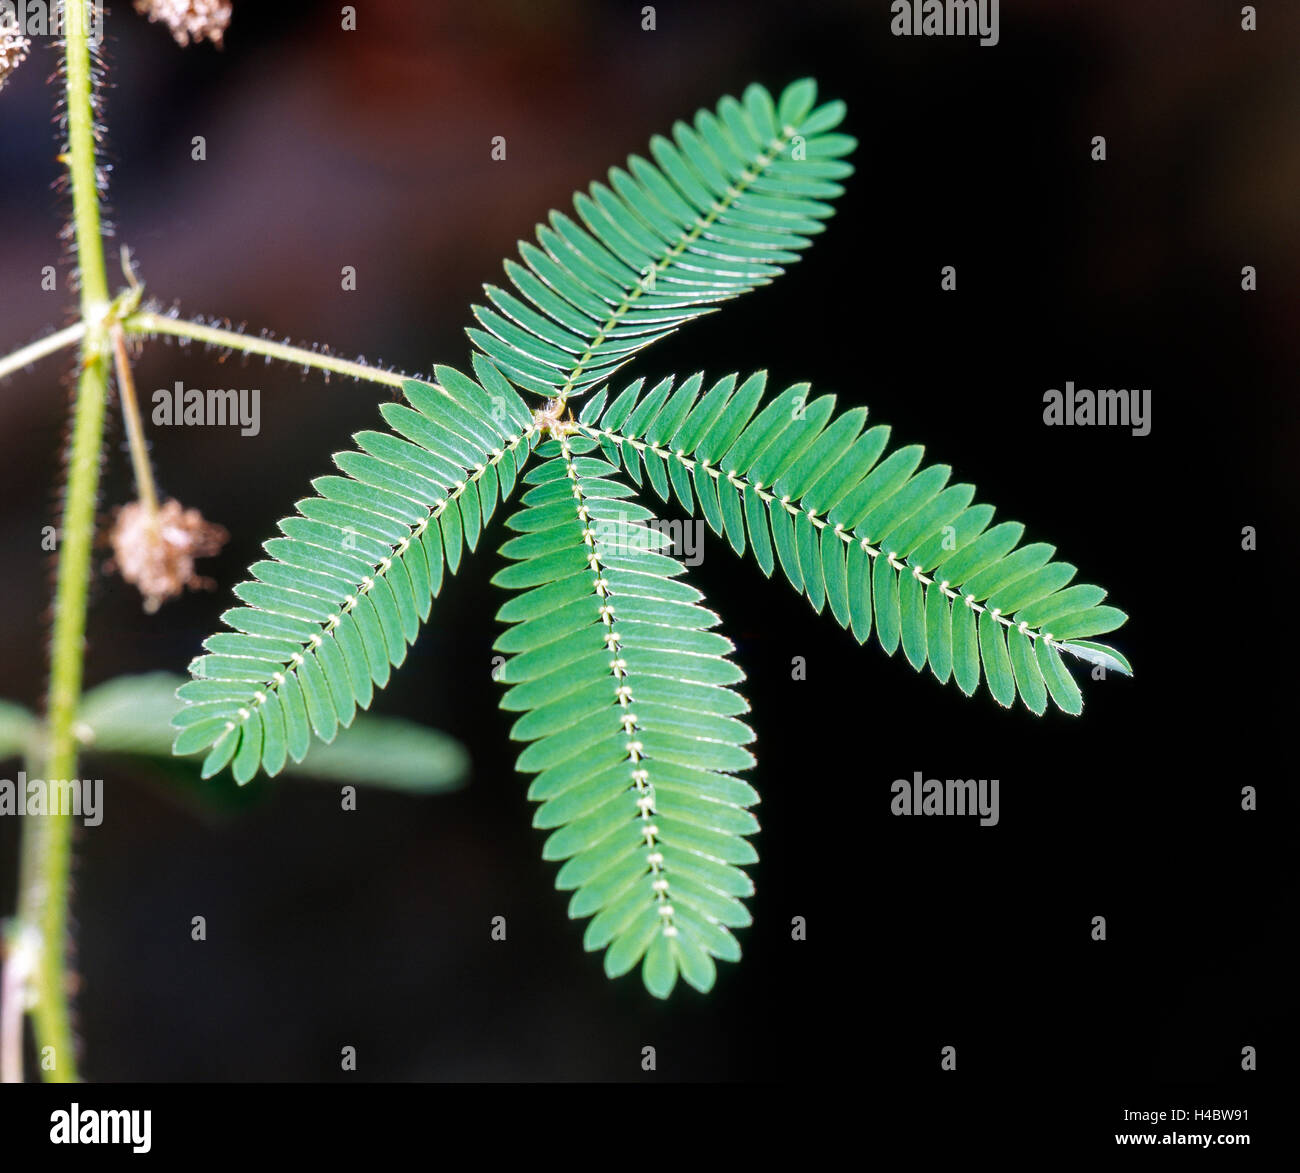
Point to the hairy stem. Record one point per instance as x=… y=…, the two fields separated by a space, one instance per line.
x=146 y=322
x=41 y=348
x=144 y=483
x=48 y=839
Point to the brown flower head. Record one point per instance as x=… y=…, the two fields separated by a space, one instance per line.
x=156 y=552
x=13 y=45
x=189 y=20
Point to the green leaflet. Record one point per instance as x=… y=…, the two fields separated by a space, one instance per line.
x=346 y=588
x=880 y=537
x=635 y=763
x=724 y=205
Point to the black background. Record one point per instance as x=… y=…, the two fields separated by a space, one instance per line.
x=372 y=929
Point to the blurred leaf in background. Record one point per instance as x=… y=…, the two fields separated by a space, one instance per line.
x=18 y=730
x=131 y=716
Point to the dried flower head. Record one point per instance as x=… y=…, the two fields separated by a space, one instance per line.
x=551 y=419
x=189 y=20
x=13 y=45
x=156 y=551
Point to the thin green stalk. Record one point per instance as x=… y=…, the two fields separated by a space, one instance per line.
x=145 y=322
x=46 y=846
x=50 y=344
x=144 y=483
x=45 y=901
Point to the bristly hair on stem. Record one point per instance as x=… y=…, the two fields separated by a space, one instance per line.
x=47 y=846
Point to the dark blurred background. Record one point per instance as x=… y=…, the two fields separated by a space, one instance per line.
x=372 y=148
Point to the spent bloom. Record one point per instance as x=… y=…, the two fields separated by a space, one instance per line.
x=156 y=551
x=13 y=45
x=189 y=20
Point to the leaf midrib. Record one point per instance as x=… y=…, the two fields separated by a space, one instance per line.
x=623 y=691
x=760 y=164
x=744 y=484
x=259 y=695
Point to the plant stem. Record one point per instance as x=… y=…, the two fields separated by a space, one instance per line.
x=145 y=322
x=144 y=484
x=45 y=897
x=82 y=167
x=50 y=344
x=15 y=979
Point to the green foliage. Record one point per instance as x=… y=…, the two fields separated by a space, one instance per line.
x=18 y=730
x=729 y=203
x=873 y=536
x=634 y=736
x=131 y=715
x=346 y=588
x=623 y=686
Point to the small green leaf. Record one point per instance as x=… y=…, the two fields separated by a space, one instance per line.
x=911 y=611
x=997 y=665
x=1059 y=682
x=965 y=648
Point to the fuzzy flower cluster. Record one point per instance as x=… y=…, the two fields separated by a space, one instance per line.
x=189 y=20
x=13 y=45
x=156 y=553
